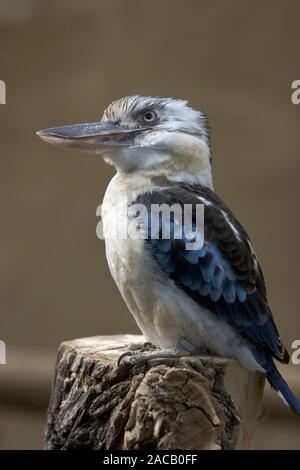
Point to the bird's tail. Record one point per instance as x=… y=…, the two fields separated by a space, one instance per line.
x=283 y=390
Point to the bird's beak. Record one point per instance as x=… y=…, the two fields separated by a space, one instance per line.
x=94 y=137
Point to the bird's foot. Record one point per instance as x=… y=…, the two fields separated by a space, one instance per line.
x=148 y=353
x=136 y=349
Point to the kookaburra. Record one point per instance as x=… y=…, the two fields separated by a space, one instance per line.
x=211 y=299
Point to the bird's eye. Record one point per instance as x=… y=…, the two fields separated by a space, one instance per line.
x=149 y=116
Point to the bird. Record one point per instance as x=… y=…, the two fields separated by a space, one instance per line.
x=201 y=290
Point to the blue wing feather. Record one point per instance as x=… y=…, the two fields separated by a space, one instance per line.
x=209 y=277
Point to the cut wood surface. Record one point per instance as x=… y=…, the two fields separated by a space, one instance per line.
x=149 y=403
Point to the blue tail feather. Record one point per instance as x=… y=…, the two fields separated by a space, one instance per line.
x=280 y=385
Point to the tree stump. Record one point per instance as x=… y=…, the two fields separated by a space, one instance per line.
x=159 y=404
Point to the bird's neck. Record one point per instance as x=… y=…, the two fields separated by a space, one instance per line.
x=132 y=184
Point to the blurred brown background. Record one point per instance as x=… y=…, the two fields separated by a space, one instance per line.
x=64 y=61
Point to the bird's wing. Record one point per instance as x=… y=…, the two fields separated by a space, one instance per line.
x=223 y=275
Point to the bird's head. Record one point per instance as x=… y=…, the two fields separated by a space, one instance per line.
x=153 y=136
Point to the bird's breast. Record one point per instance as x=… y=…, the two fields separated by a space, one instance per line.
x=129 y=262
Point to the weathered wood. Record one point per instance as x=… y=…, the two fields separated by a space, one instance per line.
x=173 y=403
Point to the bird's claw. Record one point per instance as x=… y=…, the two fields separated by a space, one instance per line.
x=146 y=355
x=147 y=347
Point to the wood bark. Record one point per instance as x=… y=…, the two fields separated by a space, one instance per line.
x=141 y=403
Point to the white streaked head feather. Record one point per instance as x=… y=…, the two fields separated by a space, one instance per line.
x=175 y=144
